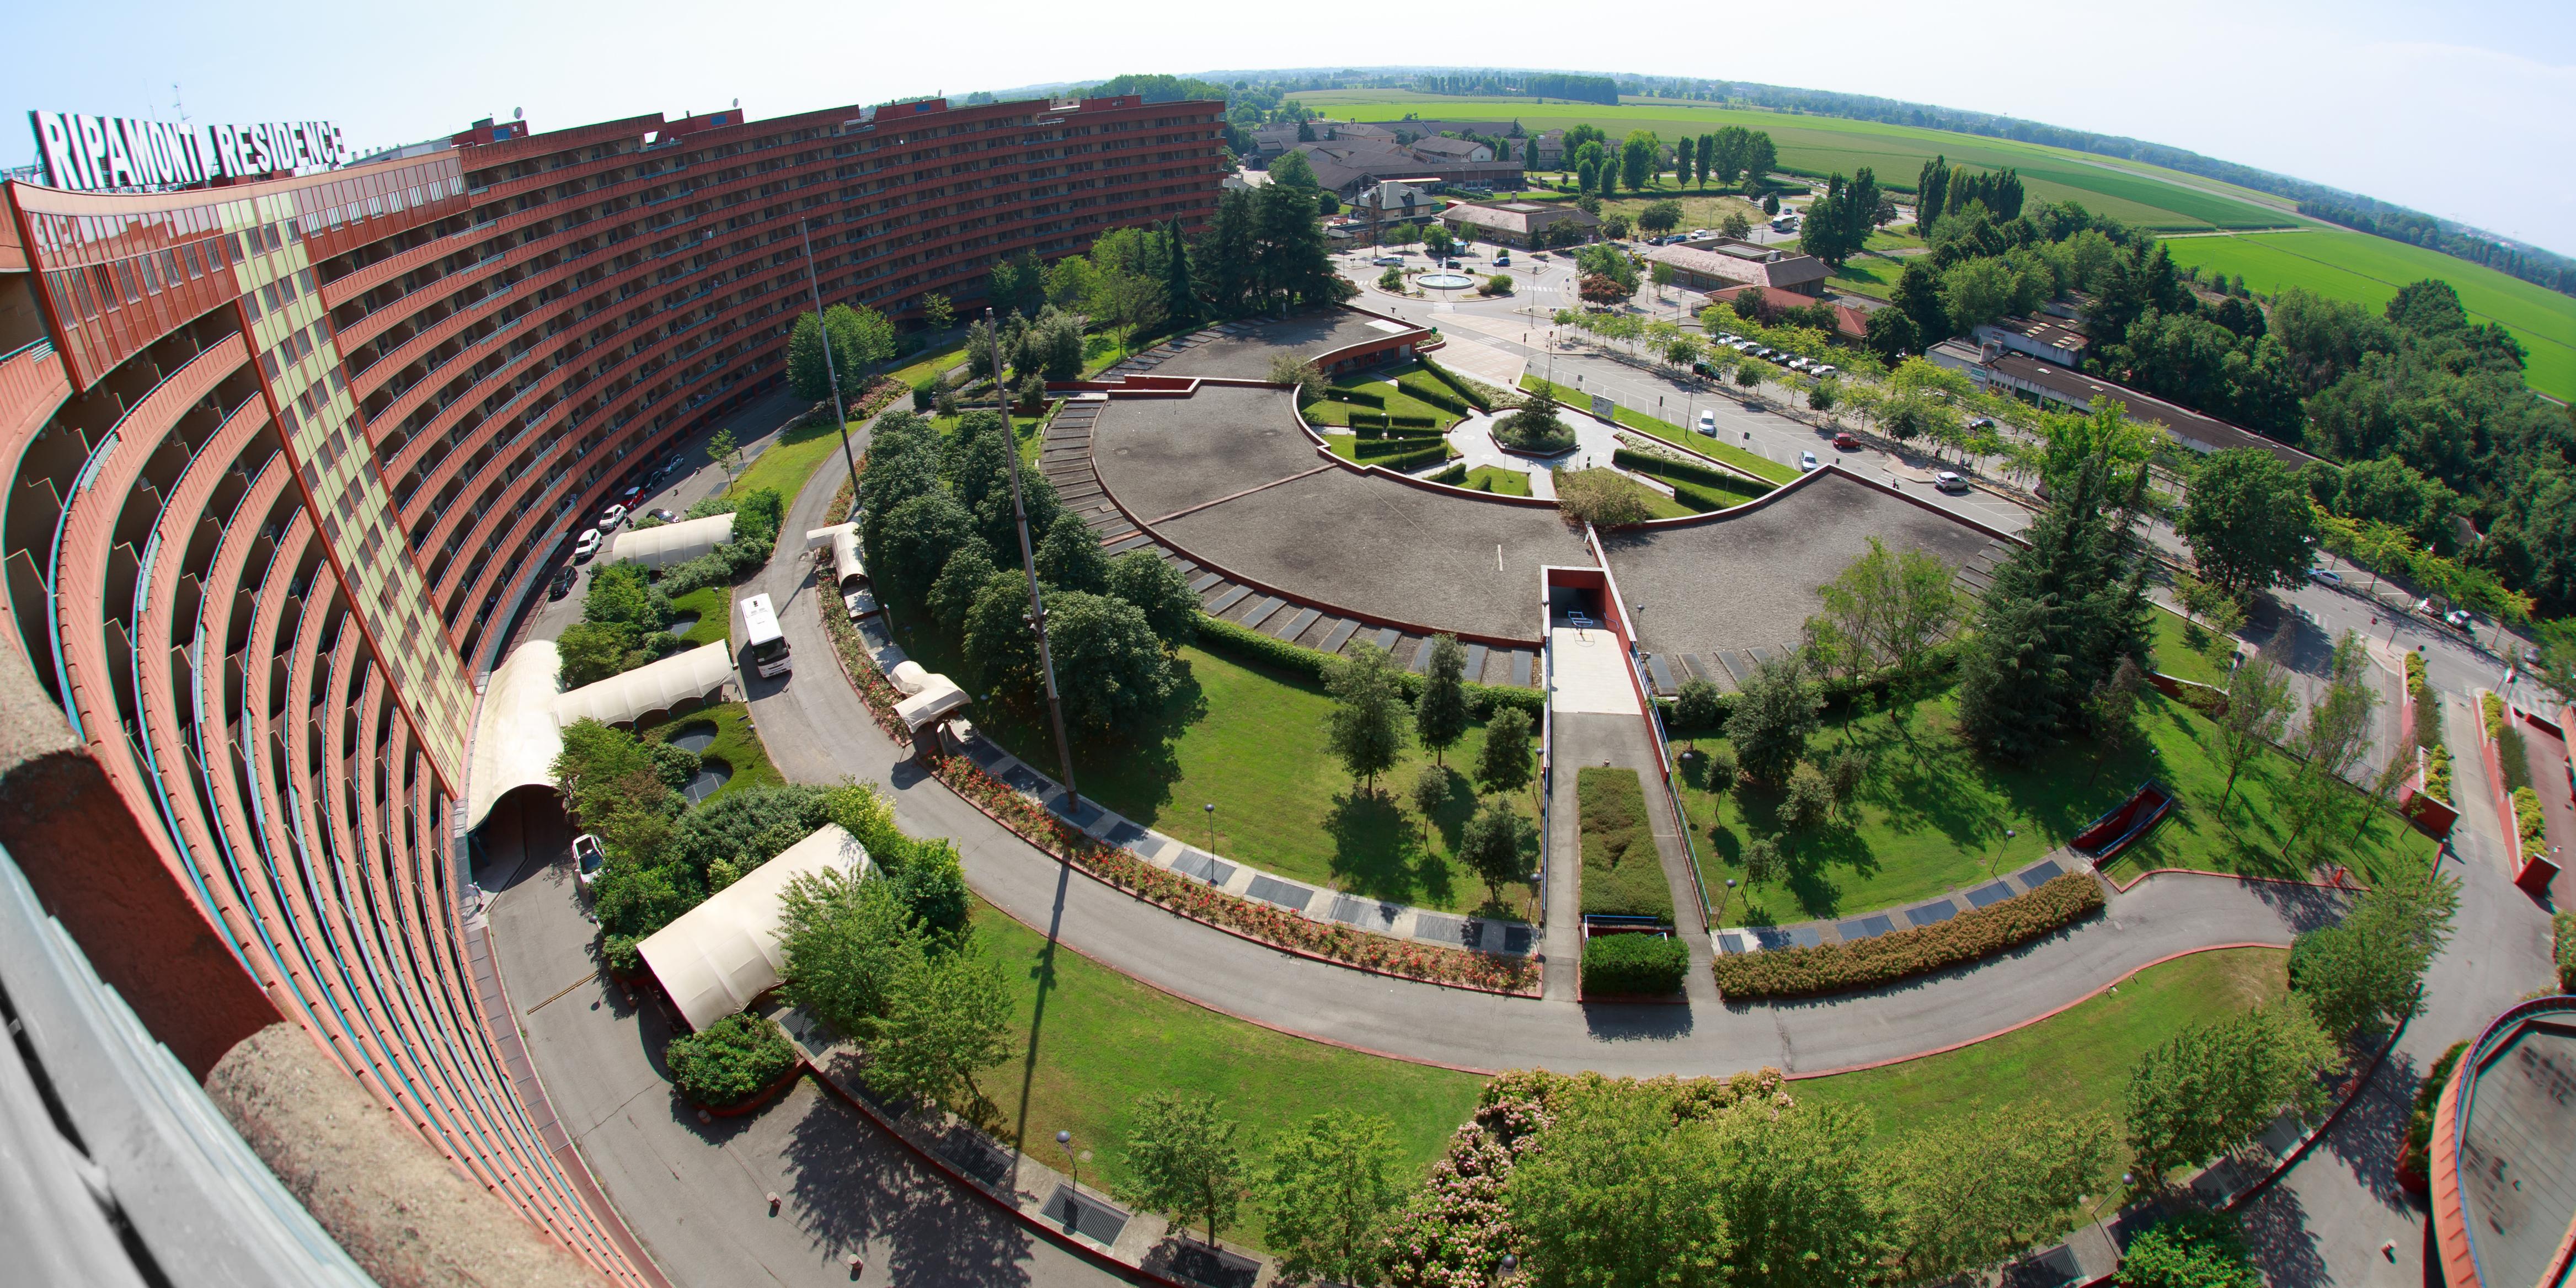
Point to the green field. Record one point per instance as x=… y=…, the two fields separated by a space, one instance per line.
x=737 y=744
x=1103 y=1041
x=2131 y=191
x=2368 y=270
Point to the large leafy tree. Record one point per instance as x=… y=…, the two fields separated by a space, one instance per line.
x=1182 y=1158
x=1159 y=590
x=1503 y=763
x=2248 y=523
x=1329 y=1194
x=2192 y=1248
x=1496 y=845
x=1970 y=1191
x=948 y=1016
x=2366 y=972
x=1070 y=558
x=1365 y=728
x=1617 y=1192
x=861 y=338
x=1795 y=1186
x=1770 y=721
x=2219 y=1084
x=1887 y=608
x=1440 y=714
x=1110 y=670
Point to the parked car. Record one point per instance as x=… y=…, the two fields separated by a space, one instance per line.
x=1982 y=422
x=560 y=584
x=611 y=517
x=1846 y=442
x=666 y=516
x=1502 y=259
x=585 y=545
x=1388 y=261
x=587 y=858
x=1807 y=461
x=1950 y=481
x=2459 y=619
x=628 y=496
x=2325 y=576
x=1822 y=369
x=1708 y=423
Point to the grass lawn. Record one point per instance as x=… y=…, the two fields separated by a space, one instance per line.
x=790 y=461
x=1932 y=816
x=2074 y=1062
x=1621 y=873
x=1499 y=481
x=2178 y=645
x=737 y=744
x=929 y=364
x=2367 y=270
x=1251 y=742
x=1759 y=466
x=1326 y=411
x=1103 y=1041
x=1875 y=278
x=1699 y=210
x=714 y=607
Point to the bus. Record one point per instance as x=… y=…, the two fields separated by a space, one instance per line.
x=764 y=648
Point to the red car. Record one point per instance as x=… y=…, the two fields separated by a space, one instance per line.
x=1845 y=442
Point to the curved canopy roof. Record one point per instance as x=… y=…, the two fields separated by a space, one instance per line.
x=515 y=735
x=656 y=686
x=723 y=953
x=672 y=543
x=845 y=551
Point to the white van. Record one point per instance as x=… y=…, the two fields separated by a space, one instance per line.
x=764 y=646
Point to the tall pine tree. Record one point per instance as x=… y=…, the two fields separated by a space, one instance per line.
x=1931 y=195
x=1180 y=289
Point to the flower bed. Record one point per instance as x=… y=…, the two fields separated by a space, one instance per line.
x=1041 y=827
x=1903 y=954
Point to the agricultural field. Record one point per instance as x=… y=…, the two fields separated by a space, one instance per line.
x=2368 y=270
x=2131 y=191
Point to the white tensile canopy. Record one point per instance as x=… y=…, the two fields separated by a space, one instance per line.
x=516 y=739
x=845 y=552
x=672 y=543
x=719 y=956
x=655 y=686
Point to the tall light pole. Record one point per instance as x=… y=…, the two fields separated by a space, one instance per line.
x=1029 y=564
x=840 y=418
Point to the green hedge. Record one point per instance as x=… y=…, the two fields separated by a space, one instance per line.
x=730 y=1060
x=1634 y=965
x=1244 y=644
x=1454 y=474
x=2530 y=821
x=1355 y=396
x=1885 y=959
x=1703 y=499
x=1427 y=387
x=2562 y=937
x=1677 y=471
x=1456 y=385
x=1371 y=448
x=1413 y=460
x=1413 y=422
x=1383 y=431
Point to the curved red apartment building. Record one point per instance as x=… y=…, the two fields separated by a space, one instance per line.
x=285 y=457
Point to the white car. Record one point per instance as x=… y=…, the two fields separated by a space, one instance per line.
x=585 y=545
x=1950 y=481
x=1389 y=261
x=1822 y=369
x=587 y=858
x=1708 y=423
x=1807 y=462
x=611 y=517
x=1797 y=364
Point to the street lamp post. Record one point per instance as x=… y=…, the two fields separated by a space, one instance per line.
x=1028 y=564
x=1211 y=817
x=2009 y=834
x=1064 y=1141
x=1724 y=900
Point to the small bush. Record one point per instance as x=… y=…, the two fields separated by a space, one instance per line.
x=1454 y=474
x=1886 y=959
x=925 y=395
x=730 y=1061
x=2492 y=707
x=2562 y=935
x=2190 y=1249
x=1357 y=397
x=1634 y=965
x=2414 y=1156
x=2437 y=773
x=1498 y=284
x=2528 y=819
x=1623 y=875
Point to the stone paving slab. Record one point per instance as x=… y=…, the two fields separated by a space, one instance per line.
x=1869 y=925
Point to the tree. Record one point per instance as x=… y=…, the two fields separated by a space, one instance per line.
x=1640 y=156
x=725 y=452
x=2331 y=741
x=1292 y=169
x=1660 y=216
x=1070 y=558
x=1888 y=608
x=1365 y=728
x=1794 y=1185
x=919 y=536
x=2114 y=713
x=1161 y=592
x=2218 y=1084
x=1602 y=498
x=849 y=944
x=2249 y=524
x=1504 y=763
x=937 y=312
x=588 y=652
x=1329 y=1193
x=1762 y=859
x=1771 y=720
x=1808 y=797
x=1180 y=288
x=1618 y=1192
x=1440 y=714
x=2258 y=707
x=2365 y=972
x=1135 y=303
x=1110 y=670
x=1430 y=793
x=2193 y=1248
x=1973 y=1191
x=1496 y=845
x=1182 y=1159
x=1698 y=707
x=952 y=596
x=950 y=1015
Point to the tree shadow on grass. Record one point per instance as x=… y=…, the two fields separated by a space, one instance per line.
x=1378 y=851
x=857 y=1191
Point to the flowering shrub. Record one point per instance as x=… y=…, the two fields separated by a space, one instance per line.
x=1041 y=827
x=1885 y=959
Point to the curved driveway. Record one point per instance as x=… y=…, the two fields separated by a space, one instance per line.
x=818 y=731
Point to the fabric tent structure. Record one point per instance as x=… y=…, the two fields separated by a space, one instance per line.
x=672 y=543
x=656 y=686
x=516 y=738
x=847 y=571
x=721 y=955
x=927 y=695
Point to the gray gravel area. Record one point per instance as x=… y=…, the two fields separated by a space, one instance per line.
x=1161 y=455
x=1376 y=547
x=1752 y=580
x=1248 y=356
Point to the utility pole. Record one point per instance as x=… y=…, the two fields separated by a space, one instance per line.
x=840 y=418
x=1029 y=562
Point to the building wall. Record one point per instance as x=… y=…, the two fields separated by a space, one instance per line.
x=289 y=454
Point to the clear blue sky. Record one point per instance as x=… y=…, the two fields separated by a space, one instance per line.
x=2465 y=109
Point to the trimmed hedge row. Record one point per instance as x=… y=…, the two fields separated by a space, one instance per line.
x=1670 y=470
x=1355 y=396
x=1403 y=431
x=1703 y=499
x=1904 y=954
x=1372 y=449
x=1247 y=645
x=1460 y=387
x=1414 y=459
x=1413 y=422
x=1634 y=965
x=1454 y=474
x=1429 y=388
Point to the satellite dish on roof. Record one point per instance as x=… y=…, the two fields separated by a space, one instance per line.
x=518 y=114
x=737 y=102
